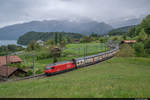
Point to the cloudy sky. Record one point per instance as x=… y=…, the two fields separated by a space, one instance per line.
x=18 y=11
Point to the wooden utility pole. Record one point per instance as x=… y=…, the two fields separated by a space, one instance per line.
x=7 y=65
x=33 y=64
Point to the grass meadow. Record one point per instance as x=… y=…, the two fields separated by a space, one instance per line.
x=115 y=78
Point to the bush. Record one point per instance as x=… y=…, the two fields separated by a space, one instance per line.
x=139 y=49
x=126 y=51
x=18 y=65
x=102 y=40
x=29 y=73
x=21 y=75
x=39 y=71
x=147 y=46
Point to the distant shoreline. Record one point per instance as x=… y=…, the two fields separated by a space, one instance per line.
x=7 y=42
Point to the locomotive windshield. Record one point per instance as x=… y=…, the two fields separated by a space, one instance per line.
x=47 y=68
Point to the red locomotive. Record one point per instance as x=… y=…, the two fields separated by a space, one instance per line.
x=59 y=67
x=79 y=62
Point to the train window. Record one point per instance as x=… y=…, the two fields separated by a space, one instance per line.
x=52 y=67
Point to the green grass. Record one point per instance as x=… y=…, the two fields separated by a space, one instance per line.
x=116 y=78
x=78 y=49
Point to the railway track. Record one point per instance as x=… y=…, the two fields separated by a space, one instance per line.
x=43 y=75
x=25 y=78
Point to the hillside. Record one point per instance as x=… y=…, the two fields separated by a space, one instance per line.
x=27 y=37
x=116 y=78
x=84 y=27
x=122 y=22
x=121 y=30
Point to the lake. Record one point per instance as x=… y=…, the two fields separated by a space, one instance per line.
x=6 y=42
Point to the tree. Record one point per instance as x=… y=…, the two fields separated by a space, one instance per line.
x=142 y=36
x=102 y=40
x=115 y=38
x=124 y=37
x=146 y=24
x=147 y=46
x=50 y=42
x=63 y=43
x=94 y=35
x=69 y=40
x=56 y=38
x=33 y=46
x=86 y=39
x=139 y=49
x=131 y=32
x=60 y=38
x=56 y=52
x=12 y=47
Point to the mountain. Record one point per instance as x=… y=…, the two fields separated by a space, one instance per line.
x=121 y=30
x=83 y=27
x=122 y=22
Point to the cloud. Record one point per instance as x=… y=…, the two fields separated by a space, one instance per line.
x=15 y=11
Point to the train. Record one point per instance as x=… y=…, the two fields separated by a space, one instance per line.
x=76 y=63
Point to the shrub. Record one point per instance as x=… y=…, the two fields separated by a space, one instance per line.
x=126 y=51
x=102 y=40
x=21 y=75
x=29 y=73
x=139 y=49
x=39 y=71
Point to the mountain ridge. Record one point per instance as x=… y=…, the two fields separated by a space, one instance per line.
x=12 y=32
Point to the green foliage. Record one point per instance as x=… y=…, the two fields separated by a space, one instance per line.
x=44 y=36
x=60 y=38
x=126 y=51
x=131 y=32
x=33 y=45
x=102 y=40
x=146 y=24
x=18 y=65
x=142 y=36
x=50 y=42
x=147 y=46
x=144 y=27
x=76 y=50
x=94 y=35
x=115 y=38
x=56 y=38
x=9 y=49
x=44 y=54
x=39 y=71
x=56 y=52
x=69 y=40
x=29 y=72
x=85 y=39
x=125 y=37
x=121 y=31
x=21 y=75
x=141 y=33
x=139 y=49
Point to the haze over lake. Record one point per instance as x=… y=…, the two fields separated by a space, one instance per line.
x=6 y=42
